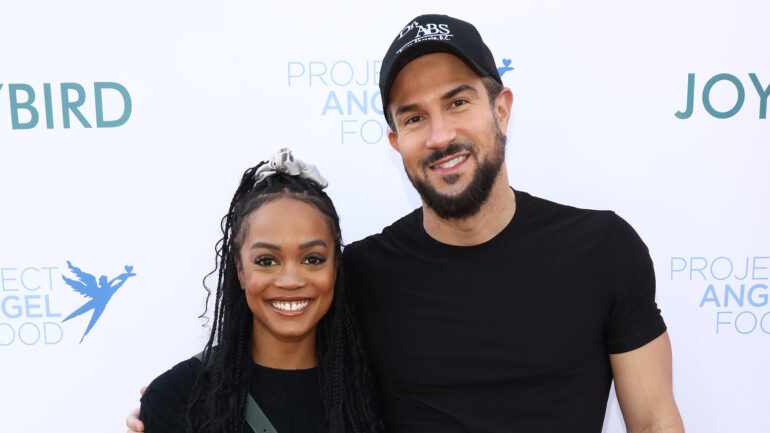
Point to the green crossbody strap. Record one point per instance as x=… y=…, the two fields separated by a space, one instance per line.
x=255 y=418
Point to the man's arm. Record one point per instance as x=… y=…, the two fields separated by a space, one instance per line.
x=643 y=386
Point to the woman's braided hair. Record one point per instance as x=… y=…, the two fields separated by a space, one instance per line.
x=219 y=395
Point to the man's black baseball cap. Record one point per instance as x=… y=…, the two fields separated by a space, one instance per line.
x=428 y=34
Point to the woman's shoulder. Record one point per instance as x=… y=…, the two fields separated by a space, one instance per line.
x=164 y=403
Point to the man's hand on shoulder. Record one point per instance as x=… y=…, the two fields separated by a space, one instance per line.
x=134 y=424
x=644 y=390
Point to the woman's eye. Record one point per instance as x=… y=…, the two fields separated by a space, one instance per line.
x=265 y=261
x=314 y=260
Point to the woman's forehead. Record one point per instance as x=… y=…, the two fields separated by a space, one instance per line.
x=287 y=219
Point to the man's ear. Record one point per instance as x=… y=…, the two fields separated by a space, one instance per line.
x=503 y=102
x=393 y=138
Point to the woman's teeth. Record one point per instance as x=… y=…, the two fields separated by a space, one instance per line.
x=290 y=306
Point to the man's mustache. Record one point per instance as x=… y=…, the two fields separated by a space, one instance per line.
x=451 y=148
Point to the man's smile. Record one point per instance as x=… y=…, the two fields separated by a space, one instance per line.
x=450 y=163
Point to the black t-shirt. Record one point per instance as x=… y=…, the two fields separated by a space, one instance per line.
x=291 y=399
x=511 y=335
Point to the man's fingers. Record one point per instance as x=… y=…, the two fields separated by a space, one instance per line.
x=133 y=423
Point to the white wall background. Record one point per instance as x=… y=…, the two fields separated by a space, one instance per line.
x=217 y=87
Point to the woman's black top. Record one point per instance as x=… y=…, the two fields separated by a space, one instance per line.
x=291 y=399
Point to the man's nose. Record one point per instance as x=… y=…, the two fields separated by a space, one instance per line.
x=442 y=132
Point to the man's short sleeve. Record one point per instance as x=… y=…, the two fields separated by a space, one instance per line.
x=349 y=271
x=633 y=318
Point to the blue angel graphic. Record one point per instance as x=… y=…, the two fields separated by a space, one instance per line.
x=99 y=294
x=505 y=68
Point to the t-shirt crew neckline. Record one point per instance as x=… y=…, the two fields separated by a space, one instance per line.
x=285 y=372
x=510 y=228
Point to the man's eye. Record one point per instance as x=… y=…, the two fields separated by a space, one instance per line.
x=266 y=261
x=314 y=260
x=459 y=102
x=412 y=119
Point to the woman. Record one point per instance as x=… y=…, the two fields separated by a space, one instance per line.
x=282 y=331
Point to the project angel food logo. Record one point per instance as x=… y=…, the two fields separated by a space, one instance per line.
x=31 y=300
x=733 y=291
x=98 y=294
x=347 y=94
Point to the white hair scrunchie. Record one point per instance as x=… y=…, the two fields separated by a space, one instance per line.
x=284 y=162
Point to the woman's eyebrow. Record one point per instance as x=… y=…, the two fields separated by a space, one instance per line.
x=313 y=243
x=308 y=244
x=256 y=245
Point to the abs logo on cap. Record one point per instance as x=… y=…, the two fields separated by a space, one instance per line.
x=427 y=32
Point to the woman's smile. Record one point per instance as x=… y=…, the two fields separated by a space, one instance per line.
x=290 y=307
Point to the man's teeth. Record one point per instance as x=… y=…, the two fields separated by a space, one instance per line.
x=290 y=306
x=452 y=162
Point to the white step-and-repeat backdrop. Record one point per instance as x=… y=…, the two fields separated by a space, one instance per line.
x=125 y=126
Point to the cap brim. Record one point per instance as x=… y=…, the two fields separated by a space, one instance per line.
x=422 y=49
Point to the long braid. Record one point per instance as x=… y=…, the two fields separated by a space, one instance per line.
x=241 y=372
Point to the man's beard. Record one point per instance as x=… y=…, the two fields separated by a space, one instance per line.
x=469 y=201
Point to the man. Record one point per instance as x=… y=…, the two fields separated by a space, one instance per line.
x=488 y=309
